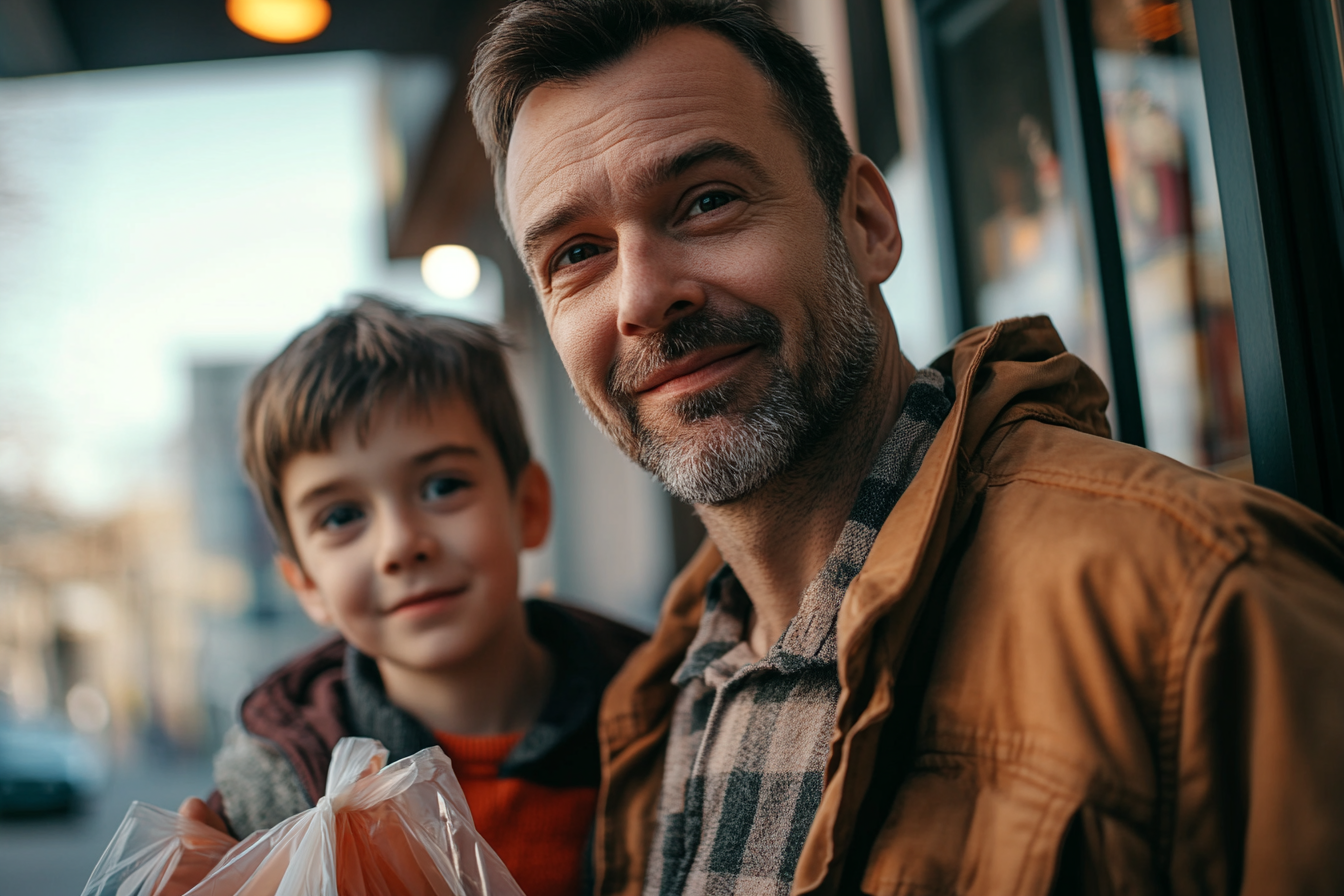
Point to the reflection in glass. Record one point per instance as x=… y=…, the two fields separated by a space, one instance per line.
x=1166 y=193
x=1017 y=229
x=1338 y=8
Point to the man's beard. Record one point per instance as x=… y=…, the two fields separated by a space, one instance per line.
x=719 y=453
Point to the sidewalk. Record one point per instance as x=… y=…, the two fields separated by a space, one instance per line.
x=55 y=854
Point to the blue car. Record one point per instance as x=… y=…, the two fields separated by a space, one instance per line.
x=45 y=767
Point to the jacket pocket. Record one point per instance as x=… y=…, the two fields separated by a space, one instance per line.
x=1103 y=856
x=958 y=827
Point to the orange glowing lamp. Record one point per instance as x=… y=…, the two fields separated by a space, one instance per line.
x=280 y=21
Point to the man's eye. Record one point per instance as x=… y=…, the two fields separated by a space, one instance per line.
x=576 y=254
x=710 y=201
x=442 y=487
x=340 y=516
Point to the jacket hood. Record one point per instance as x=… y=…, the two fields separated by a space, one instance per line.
x=1021 y=366
x=1016 y=370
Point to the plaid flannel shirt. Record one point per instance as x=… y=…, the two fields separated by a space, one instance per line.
x=749 y=737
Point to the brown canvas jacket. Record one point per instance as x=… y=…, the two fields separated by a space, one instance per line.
x=1069 y=665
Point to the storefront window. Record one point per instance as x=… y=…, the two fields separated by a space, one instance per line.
x=1019 y=232
x=1166 y=196
x=1338 y=7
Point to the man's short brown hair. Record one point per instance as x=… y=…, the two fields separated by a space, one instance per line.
x=540 y=41
x=357 y=361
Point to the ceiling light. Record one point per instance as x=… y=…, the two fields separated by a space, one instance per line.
x=451 y=271
x=280 y=21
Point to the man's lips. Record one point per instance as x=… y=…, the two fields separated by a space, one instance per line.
x=694 y=371
x=424 y=598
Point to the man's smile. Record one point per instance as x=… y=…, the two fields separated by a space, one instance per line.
x=696 y=371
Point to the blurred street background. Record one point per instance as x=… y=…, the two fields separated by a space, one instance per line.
x=186 y=183
x=54 y=853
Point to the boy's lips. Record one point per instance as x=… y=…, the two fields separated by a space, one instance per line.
x=426 y=598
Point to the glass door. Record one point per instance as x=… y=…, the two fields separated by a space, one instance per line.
x=1160 y=157
x=1077 y=180
x=1015 y=225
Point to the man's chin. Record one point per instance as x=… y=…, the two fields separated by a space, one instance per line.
x=715 y=461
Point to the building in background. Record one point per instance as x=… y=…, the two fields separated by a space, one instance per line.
x=100 y=621
x=267 y=625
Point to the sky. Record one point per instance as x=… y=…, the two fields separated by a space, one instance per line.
x=153 y=216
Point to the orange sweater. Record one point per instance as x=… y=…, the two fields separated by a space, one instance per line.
x=540 y=832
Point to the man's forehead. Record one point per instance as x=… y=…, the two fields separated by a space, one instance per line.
x=683 y=87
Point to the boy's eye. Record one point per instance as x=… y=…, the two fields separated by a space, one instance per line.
x=443 y=486
x=342 y=515
x=576 y=254
x=709 y=202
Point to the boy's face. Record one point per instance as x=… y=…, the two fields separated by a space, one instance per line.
x=408 y=544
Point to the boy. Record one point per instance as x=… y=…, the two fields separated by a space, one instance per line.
x=388 y=452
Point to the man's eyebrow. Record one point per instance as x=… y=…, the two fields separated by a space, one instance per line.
x=657 y=174
x=559 y=218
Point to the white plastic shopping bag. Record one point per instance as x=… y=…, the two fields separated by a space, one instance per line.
x=157 y=853
x=399 y=830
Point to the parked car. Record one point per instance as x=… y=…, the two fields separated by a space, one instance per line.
x=45 y=766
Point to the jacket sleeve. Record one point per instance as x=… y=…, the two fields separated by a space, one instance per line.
x=257 y=786
x=1259 y=778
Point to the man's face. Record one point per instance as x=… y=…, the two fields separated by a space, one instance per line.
x=695 y=285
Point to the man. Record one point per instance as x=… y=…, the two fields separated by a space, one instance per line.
x=945 y=636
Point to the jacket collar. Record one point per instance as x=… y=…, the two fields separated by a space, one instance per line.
x=557 y=749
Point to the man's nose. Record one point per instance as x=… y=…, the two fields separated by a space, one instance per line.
x=404 y=542
x=654 y=288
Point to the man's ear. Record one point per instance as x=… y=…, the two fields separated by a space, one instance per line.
x=534 y=505
x=868 y=217
x=304 y=589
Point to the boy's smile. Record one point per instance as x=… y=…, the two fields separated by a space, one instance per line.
x=408 y=538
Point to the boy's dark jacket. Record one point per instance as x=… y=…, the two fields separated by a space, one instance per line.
x=274 y=764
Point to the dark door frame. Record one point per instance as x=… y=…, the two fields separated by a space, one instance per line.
x=1276 y=110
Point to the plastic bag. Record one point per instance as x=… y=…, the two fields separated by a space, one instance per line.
x=157 y=853
x=402 y=830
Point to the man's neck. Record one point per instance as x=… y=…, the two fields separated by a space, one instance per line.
x=778 y=538
x=500 y=689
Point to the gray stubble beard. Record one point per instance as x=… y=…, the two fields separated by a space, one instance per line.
x=720 y=455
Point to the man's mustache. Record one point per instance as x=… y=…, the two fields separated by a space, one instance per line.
x=704 y=329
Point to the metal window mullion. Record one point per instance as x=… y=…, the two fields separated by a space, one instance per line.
x=958 y=310
x=1258 y=261
x=1081 y=135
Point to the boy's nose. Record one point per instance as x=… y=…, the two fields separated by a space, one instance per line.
x=404 y=544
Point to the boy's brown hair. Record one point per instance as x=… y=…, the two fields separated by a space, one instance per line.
x=353 y=362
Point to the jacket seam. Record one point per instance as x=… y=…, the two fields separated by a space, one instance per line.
x=1159 y=501
x=1169 y=739
x=1100 y=790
